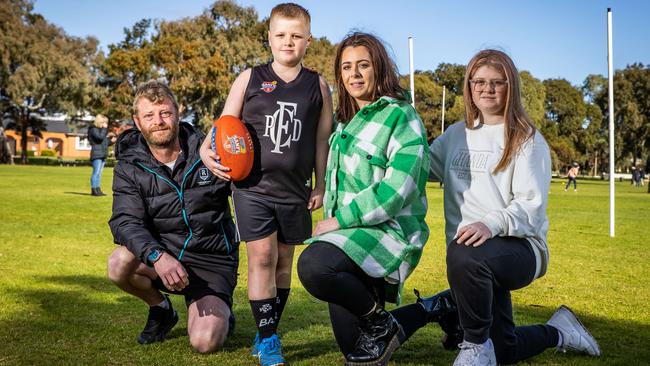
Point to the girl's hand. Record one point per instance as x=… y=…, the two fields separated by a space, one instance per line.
x=473 y=234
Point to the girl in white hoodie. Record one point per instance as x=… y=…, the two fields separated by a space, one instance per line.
x=496 y=170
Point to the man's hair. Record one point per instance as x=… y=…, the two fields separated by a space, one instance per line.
x=291 y=11
x=155 y=91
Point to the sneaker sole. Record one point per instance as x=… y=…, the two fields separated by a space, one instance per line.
x=394 y=344
x=590 y=339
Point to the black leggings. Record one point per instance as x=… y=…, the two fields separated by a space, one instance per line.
x=330 y=275
x=481 y=279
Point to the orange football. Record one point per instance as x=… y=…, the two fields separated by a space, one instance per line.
x=232 y=142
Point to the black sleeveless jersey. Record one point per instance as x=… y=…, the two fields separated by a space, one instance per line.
x=282 y=119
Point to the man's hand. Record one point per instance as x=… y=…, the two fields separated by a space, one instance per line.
x=316 y=199
x=211 y=159
x=473 y=234
x=171 y=272
x=325 y=226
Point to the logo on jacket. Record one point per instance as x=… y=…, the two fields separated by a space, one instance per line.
x=282 y=127
x=269 y=86
x=204 y=174
x=235 y=145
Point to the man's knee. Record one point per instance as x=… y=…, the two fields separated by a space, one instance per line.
x=208 y=340
x=121 y=264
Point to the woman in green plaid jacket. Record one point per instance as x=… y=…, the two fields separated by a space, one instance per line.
x=375 y=204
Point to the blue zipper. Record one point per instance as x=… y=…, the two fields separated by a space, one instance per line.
x=181 y=198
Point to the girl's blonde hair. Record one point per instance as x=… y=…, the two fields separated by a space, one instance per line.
x=519 y=127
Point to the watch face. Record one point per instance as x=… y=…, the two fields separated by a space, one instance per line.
x=155 y=254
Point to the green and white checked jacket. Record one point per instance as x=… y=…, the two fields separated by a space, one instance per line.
x=377 y=170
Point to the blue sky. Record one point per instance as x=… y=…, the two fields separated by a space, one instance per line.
x=550 y=38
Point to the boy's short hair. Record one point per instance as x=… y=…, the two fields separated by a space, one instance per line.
x=155 y=91
x=291 y=11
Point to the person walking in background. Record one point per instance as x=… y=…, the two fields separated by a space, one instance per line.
x=497 y=171
x=572 y=175
x=98 y=138
x=6 y=156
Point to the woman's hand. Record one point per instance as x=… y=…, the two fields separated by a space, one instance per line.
x=316 y=198
x=325 y=226
x=473 y=234
x=211 y=159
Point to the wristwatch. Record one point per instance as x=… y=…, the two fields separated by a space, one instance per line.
x=154 y=255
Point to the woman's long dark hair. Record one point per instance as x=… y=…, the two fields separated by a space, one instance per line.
x=385 y=72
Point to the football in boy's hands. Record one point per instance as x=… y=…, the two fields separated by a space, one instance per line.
x=232 y=142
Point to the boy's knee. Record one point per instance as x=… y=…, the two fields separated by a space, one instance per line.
x=120 y=264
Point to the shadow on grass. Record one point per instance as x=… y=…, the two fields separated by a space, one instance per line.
x=78 y=193
x=86 y=320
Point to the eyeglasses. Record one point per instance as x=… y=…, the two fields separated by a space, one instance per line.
x=481 y=84
x=163 y=115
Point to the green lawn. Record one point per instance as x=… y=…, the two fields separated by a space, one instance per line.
x=58 y=308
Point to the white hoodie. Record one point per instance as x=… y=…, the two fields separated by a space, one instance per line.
x=511 y=202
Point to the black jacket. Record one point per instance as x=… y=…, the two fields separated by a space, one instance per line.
x=98 y=142
x=184 y=210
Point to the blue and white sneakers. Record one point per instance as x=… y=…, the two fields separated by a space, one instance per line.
x=256 y=344
x=573 y=335
x=269 y=351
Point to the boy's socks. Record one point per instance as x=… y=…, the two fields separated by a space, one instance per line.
x=281 y=301
x=264 y=312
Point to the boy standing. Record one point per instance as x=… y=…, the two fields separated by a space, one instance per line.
x=288 y=111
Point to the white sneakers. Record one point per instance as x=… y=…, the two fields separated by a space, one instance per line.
x=573 y=335
x=472 y=354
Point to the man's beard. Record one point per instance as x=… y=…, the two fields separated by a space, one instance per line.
x=165 y=138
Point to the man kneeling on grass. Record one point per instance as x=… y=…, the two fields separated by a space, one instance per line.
x=172 y=219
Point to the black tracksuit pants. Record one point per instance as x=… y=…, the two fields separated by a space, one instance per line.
x=481 y=279
x=330 y=275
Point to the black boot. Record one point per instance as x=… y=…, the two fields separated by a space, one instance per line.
x=97 y=192
x=380 y=336
x=441 y=308
x=159 y=323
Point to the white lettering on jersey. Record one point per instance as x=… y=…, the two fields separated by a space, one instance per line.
x=282 y=127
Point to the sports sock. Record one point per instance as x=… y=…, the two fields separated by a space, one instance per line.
x=280 y=303
x=164 y=304
x=264 y=315
x=411 y=318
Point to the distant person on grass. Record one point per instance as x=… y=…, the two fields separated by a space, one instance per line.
x=497 y=170
x=572 y=175
x=172 y=219
x=99 y=141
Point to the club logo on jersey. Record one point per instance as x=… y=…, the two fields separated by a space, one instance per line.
x=282 y=127
x=235 y=145
x=269 y=86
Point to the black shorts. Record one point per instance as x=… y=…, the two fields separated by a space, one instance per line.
x=257 y=218
x=208 y=274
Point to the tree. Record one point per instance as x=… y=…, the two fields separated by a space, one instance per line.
x=41 y=68
x=199 y=58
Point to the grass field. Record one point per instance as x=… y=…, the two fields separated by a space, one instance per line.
x=58 y=308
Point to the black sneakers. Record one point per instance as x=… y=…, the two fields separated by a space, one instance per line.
x=441 y=308
x=380 y=336
x=159 y=323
